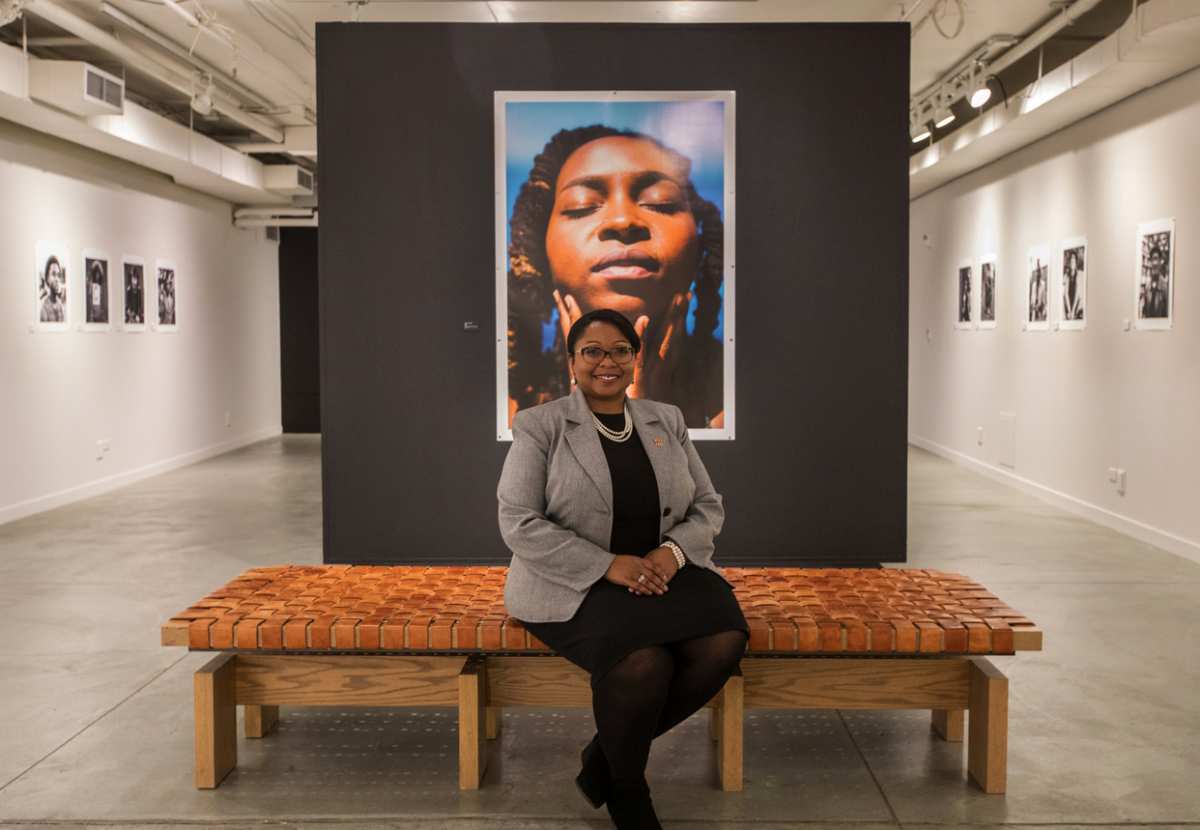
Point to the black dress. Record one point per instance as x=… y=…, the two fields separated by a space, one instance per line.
x=612 y=622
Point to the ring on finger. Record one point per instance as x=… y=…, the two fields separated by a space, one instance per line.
x=641 y=578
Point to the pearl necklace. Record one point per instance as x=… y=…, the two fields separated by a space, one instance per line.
x=612 y=435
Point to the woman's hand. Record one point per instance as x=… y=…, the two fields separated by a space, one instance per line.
x=665 y=559
x=625 y=571
x=655 y=362
x=568 y=312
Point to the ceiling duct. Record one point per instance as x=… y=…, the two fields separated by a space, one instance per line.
x=288 y=180
x=76 y=87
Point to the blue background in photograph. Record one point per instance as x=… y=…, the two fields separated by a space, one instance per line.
x=695 y=129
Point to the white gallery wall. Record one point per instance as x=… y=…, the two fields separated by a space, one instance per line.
x=160 y=399
x=1081 y=402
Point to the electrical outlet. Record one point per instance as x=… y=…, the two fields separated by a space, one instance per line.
x=1121 y=482
x=228 y=418
x=1112 y=475
x=929 y=335
x=1125 y=325
x=101 y=449
x=979 y=436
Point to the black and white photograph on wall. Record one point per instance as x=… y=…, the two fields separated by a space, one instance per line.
x=987 y=291
x=1072 y=285
x=1037 y=289
x=53 y=306
x=133 y=269
x=165 y=271
x=96 y=314
x=620 y=200
x=963 y=284
x=1155 y=274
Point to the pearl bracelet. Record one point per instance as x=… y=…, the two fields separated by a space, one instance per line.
x=680 y=559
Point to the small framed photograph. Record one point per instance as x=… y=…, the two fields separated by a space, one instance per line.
x=97 y=314
x=164 y=270
x=53 y=300
x=1072 y=284
x=1037 y=289
x=1155 y=274
x=987 y=291
x=133 y=271
x=963 y=285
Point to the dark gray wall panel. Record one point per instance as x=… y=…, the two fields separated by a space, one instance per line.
x=818 y=471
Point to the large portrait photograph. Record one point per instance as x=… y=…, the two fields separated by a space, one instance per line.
x=1155 y=274
x=53 y=308
x=619 y=200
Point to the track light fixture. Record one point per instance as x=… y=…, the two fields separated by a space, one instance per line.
x=941 y=113
x=918 y=130
x=203 y=102
x=979 y=90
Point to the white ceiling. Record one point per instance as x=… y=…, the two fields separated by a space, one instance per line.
x=282 y=70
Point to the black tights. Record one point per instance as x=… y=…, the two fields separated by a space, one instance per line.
x=655 y=689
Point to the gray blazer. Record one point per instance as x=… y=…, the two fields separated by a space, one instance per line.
x=556 y=502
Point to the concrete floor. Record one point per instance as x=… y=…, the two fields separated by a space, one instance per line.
x=97 y=727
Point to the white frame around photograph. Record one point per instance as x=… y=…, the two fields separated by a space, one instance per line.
x=42 y=253
x=126 y=261
x=1081 y=287
x=161 y=265
x=985 y=260
x=967 y=265
x=728 y=314
x=1039 y=254
x=96 y=255
x=1143 y=230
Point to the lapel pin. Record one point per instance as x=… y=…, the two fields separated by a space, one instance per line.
x=658 y=442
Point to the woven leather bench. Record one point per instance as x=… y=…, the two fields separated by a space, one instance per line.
x=439 y=636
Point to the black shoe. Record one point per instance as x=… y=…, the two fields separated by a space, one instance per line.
x=593 y=779
x=630 y=807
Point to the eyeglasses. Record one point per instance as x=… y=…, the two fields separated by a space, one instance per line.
x=594 y=354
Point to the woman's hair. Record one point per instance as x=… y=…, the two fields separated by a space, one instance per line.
x=603 y=315
x=534 y=375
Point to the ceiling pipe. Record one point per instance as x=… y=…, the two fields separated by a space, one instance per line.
x=162 y=70
x=1068 y=17
x=250 y=212
x=161 y=40
x=267 y=222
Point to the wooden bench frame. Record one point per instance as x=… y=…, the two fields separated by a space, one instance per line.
x=482 y=685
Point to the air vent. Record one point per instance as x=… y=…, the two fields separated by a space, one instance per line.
x=288 y=180
x=76 y=87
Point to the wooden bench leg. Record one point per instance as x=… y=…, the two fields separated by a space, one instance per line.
x=494 y=721
x=987 y=747
x=714 y=723
x=949 y=723
x=260 y=720
x=472 y=723
x=215 y=689
x=729 y=735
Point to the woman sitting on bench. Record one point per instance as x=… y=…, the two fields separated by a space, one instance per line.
x=611 y=517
